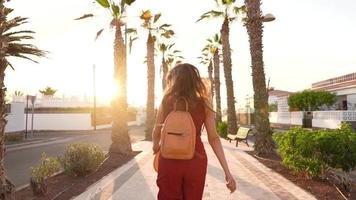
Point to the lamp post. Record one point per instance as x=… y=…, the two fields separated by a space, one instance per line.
x=94 y=97
x=268 y=18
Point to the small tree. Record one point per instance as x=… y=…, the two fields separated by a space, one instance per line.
x=309 y=100
x=18 y=93
x=272 y=107
x=48 y=91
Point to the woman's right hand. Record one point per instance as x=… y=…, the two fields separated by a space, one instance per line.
x=230 y=182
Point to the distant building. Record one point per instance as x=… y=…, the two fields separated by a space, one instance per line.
x=274 y=95
x=344 y=87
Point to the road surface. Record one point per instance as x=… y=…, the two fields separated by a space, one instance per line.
x=20 y=159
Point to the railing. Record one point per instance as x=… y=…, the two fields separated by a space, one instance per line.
x=322 y=119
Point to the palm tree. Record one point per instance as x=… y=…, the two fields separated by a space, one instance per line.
x=170 y=57
x=263 y=144
x=215 y=44
x=121 y=143
x=11 y=45
x=206 y=59
x=229 y=12
x=48 y=91
x=18 y=93
x=154 y=32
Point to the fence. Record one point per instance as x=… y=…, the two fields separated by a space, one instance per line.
x=321 y=119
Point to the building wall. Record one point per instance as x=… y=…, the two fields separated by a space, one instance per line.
x=282 y=104
x=272 y=99
x=15 y=119
x=351 y=100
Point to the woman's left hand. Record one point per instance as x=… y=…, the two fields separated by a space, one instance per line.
x=230 y=182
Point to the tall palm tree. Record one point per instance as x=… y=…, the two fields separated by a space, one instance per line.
x=12 y=44
x=121 y=143
x=170 y=56
x=263 y=144
x=215 y=45
x=154 y=32
x=229 y=12
x=207 y=60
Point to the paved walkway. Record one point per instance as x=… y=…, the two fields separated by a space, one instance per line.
x=136 y=180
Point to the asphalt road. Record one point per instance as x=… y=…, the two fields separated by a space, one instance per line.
x=20 y=159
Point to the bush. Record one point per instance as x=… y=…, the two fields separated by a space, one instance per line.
x=13 y=137
x=47 y=167
x=222 y=129
x=81 y=159
x=311 y=152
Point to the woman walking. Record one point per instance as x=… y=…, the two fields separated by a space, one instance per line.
x=185 y=179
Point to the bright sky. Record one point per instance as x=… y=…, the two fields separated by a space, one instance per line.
x=308 y=42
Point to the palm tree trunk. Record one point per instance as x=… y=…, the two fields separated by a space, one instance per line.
x=217 y=85
x=150 y=106
x=7 y=189
x=231 y=113
x=165 y=72
x=263 y=144
x=120 y=138
x=211 y=80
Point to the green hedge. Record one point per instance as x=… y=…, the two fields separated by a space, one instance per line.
x=221 y=128
x=311 y=152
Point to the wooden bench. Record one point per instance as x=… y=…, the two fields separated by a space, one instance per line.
x=241 y=135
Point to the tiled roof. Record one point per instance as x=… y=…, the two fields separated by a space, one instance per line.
x=279 y=93
x=337 y=83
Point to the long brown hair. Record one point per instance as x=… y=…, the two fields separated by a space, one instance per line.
x=184 y=81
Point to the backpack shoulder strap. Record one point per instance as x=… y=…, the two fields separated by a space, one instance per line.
x=185 y=101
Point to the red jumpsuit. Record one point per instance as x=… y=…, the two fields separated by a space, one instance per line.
x=184 y=179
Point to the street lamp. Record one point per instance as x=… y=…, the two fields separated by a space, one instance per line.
x=268 y=17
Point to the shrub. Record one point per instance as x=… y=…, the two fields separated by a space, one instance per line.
x=13 y=138
x=222 y=129
x=47 y=167
x=311 y=152
x=81 y=159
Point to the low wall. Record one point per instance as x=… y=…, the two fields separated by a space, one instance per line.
x=292 y=118
x=15 y=119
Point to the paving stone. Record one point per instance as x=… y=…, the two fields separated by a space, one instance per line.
x=254 y=181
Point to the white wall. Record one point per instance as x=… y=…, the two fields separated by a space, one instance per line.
x=60 y=121
x=294 y=118
x=15 y=119
x=55 y=121
x=351 y=100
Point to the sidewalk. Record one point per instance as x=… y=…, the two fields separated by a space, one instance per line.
x=136 y=180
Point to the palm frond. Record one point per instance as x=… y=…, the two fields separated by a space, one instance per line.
x=211 y=14
x=84 y=16
x=98 y=34
x=17 y=32
x=17 y=21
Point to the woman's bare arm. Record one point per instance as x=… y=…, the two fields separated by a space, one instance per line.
x=215 y=143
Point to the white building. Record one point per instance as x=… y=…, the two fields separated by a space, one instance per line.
x=344 y=87
x=274 y=95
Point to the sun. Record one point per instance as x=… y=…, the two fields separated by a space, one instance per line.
x=107 y=89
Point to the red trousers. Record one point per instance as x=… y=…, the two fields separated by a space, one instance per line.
x=182 y=179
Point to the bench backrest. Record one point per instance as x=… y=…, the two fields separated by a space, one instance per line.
x=242 y=132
